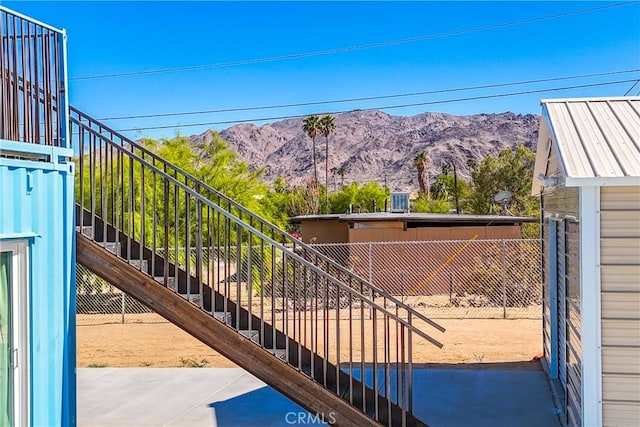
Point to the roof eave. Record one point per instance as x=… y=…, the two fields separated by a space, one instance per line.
x=600 y=181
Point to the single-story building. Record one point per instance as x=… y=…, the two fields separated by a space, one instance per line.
x=587 y=173
x=369 y=244
x=394 y=227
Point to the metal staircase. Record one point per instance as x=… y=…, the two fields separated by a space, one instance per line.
x=308 y=327
x=283 y=311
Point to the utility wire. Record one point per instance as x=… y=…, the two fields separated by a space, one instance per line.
x=631 y=88
x=370 y=98
x=388 y=107
x=353 y=48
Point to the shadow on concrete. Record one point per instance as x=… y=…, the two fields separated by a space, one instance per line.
x=261 y=408
x=452 y=395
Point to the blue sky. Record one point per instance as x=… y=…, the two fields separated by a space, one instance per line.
x=123 y=37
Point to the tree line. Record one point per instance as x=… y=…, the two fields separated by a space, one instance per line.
x=219 y=166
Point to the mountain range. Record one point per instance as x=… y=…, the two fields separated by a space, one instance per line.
x=373 y=145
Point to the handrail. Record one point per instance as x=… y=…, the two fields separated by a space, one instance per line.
x=258 y=233
x=375 y=289
x=256 y=280
x=31 y=20
x=33 y=81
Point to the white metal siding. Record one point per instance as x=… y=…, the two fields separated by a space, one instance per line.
x=620 y=253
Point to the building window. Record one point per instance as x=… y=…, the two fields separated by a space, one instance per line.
x=14 y=351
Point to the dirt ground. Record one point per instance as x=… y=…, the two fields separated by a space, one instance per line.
x=474 y=342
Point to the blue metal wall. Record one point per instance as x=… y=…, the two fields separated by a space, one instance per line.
x=37 y=204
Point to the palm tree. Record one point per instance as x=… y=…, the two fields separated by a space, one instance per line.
x=421 y=162
x=334 y=171
x=327 y=126
x=342 y=171
x=311 y=126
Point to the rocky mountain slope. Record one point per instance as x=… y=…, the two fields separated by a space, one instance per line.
x=373 y=145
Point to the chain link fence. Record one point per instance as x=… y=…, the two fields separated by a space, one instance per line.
x=98 y=302
x=442 y=279
x=452 y=279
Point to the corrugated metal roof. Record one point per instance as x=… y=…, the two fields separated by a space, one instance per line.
x=595 y=137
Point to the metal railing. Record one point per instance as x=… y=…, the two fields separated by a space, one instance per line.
x=137 y=205
x=452 y=279
x=229 y=205
x=32 y=81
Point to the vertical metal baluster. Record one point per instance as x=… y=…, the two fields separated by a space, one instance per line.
x=15 y=125
x=113 y=220
x=102 y=157
x=301 y=306
x=374 y=320
x=325 y=324
x=312 y=316
x=58 y=64
x=25 y=97
x=249 y=280
x=362 y=356
x=187 y=240
x=337 y=339
x=199 y=230
x=304 y=275
x=387 y=367
x=165 y=262
x=238 y=274
x=122 y=195
x=131 y=233
x=350 y=345
x=410 y=357
x=92 y=185
x=81 y=157
x=142 y=242
x=154 y=210
x=285 y=308
x=294 y=297
x=274 y=278
x=219 y=242
x=403 y=381
x=262 y=285
x=176 y=243
x=209 y=262
x=316 y=314
x=397 y=359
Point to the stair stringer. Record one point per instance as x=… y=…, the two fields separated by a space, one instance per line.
x=254 y=359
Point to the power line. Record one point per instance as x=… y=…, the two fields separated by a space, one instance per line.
x=631 y=88
x=369 y=98
x=388 y=107
x=353 y=48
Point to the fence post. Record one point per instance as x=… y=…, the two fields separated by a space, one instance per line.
x=504 y=280
x=123 y=307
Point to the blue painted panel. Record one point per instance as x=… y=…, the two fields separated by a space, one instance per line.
x=39 y=201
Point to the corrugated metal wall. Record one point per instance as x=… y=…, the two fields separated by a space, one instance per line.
x=37 y=201
x=573 y=323
x=620 y=287
x=561 y=296
x=562 y=302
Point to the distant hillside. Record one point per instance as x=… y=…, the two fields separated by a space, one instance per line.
x=373 y=145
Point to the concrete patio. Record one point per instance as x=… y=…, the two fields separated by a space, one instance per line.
x=232 y=397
